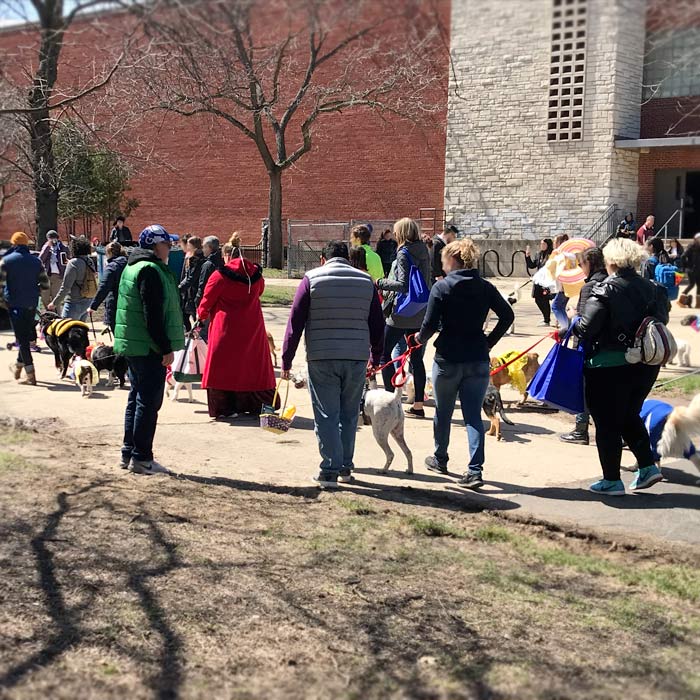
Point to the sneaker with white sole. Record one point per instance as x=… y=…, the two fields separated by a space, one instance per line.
x=608 y=488
x=326 y=481
x=646 y=477
x=346 y=477
x=147 y=468
x=124 y=463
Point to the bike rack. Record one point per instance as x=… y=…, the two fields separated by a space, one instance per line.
x=498 y=263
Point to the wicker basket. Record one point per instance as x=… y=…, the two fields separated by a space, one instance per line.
x=271 y=420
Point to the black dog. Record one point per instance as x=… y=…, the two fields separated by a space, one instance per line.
x=66 y=341
x=493 y=408
x=103 y=358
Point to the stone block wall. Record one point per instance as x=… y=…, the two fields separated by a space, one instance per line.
x=502 y=176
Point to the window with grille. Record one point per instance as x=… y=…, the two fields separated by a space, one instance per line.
x=671 y=63
x=567 y=71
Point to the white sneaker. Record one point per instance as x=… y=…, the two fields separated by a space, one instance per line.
x=543 y=324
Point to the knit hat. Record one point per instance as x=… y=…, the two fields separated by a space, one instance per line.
x=153 y=234
x=20 y=238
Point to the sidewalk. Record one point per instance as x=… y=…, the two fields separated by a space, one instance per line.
x=531 y=471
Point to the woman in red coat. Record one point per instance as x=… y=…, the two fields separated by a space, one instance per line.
x=238 y=375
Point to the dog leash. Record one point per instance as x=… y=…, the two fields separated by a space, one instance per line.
x=92 y=323
x=400 y=376
x=500 y=368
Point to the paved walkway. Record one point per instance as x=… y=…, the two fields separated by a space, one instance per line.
x=531 y=472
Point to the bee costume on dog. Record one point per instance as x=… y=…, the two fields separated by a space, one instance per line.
x=63 y=325
x=515 y=370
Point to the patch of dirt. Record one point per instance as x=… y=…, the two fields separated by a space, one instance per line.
x=116 y=586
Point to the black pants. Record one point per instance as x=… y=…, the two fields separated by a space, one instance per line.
x=693 y=281
x=147 y=378
x=392 y=336
x=543 y=299
x=23 y=323
x=614 y=396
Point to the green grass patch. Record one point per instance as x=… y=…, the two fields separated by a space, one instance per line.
x=16 y=437
x=273 y=274
x=355 y=506
x=430 y=527
x=688 y=386
x=278 y=296
x=12 y=461
x=493 y=533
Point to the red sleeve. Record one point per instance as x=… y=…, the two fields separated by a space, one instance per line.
x=211 y=295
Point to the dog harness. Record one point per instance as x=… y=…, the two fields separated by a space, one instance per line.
x=85 y=364
x=63 y=325
x=515 y=369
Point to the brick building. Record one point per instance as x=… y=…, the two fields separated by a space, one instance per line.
x=560 y=116
x=563 y=114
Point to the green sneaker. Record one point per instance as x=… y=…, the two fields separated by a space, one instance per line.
x=608 y=488
x=646 y=477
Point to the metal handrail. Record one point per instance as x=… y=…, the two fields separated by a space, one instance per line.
x=603 y=224
x=664 y=228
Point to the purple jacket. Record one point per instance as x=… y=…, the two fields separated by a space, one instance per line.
x=45 y=257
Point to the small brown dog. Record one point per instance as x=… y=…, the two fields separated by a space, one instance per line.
x=504 y=377
x=273 y=349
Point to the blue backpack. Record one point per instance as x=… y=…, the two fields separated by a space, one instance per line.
x=416 y=299
x=665 y=275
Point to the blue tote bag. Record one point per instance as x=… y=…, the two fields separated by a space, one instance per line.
x=416 y=299
x=559 y=381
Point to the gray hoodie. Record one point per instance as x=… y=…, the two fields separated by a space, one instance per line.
x=397 y=281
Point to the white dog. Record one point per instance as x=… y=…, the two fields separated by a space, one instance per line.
x=86 y=376
x=384 y=412
x=680 y=427
x=171 y=386
x=682 y=355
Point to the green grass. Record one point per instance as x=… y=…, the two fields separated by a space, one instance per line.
x=430 y=527
x=492 y=533
x=12 y=461
x=356 y=507
x=271 y=273
x=278 y=296
x=688 y=386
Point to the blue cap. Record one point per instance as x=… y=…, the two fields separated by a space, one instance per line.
x=153 y=234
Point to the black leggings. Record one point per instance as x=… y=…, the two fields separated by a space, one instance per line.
x=614 y=396
x=543 y=301
x=392 y=336
x=693 y=281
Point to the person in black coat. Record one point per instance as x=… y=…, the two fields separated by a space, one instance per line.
x=593 y=264
x=386 y=250
x=615 y=388
x=191 y=273
x=121 y=233
x=109 y=286
x=448 y=236
x=691 y=264
x=541 y=295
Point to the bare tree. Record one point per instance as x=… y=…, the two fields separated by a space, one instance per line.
x=275 y=69
x=671 y=61
x=30 y=98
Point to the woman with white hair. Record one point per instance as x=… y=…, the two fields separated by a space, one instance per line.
x=615 y=389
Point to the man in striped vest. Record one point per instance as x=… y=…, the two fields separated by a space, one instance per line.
x=337 y=308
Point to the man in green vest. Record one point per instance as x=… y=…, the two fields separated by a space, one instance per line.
x=149 y=329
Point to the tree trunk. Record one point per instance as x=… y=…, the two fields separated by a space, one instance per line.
x=46 y=199
x=275 y=236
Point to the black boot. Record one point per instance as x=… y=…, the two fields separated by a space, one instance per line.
x=579 y=436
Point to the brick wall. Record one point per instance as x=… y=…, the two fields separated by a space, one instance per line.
x=363 y=165
x=659 y=159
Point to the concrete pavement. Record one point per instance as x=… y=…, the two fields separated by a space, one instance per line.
x=531 y=471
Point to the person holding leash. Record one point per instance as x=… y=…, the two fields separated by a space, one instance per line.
x=149 y=328
x=23 y=275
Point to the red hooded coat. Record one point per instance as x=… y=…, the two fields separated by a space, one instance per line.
x=238 y=357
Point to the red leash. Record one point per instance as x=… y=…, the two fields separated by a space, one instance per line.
x=400 y=376
x=500 y=368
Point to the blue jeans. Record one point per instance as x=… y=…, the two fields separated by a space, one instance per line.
x=559 y=310
x=147 y=378
x=336 y=391
x=469 y=381
x=23 y=324
x=77 y=309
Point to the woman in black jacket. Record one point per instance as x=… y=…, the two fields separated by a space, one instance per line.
x=593 y=265
x=691 y=264
x=108 y=290
x=458 y=306
x=615 y=389
x=189 y=284
x=541 y=295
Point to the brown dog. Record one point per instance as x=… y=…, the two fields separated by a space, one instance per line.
x=273 y=349
x=503 y=377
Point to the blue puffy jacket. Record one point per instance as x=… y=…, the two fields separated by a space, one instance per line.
x=22 y=274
